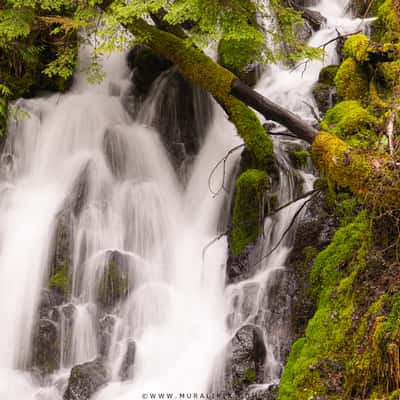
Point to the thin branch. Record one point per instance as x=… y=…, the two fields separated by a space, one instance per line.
x=313 y=112
x=287 y=230
x=223 y=162
x=221 y=235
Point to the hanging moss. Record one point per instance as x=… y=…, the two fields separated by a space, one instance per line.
x=60 y=280
x=351 y=81
x=327 y=74
x=349 y=120
x=248 y=208
x=299 y=158
x=357 y=47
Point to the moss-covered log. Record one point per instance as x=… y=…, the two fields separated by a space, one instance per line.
x=372 y=176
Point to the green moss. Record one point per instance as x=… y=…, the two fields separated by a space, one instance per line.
x=391 y=74
x=351 y=81
x=249 y=376
x=299 y=158
x=3 y=115
x=248 y=208
x=60 y=280
x=386 y=26
x=327 y=74
x=356 y=46
x=349 y=120
x=257 y=141
x=319 y=355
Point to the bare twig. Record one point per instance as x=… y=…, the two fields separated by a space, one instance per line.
x=313 y=112
x=287 y=230
x=222 y=234
x=223 y=162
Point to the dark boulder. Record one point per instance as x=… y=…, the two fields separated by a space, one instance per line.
x=126 y=371
x=245 y=359
x=146 y=67
x=86 y=379
x=114 y=283
x=46 y=347
x=181 y=113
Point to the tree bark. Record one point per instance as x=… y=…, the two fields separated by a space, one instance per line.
x=273 y=111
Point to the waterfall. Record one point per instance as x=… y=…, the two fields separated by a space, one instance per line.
x=82 y=159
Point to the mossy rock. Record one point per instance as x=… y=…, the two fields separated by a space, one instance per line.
x=349 y=120
x=299 y=158
x=357 y=47
x=327 y=74
x=60 y=281
x=85 y=380
x=114 y=282
x=248 y=208
x=390 y=72
x=386 y=27
x=316 y=362
x=351 y=81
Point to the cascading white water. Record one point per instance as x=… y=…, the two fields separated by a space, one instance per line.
x=176 y=307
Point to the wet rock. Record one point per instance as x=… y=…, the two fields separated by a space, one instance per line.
x=114 y=283
x=106 y=328
x=46 y=347
x=146 y=67
x=114 y=147
x=325 y=96
x=324 y=90
x=85 y=380
x=314 y=18
x=245 y=360
x=252 y=73
x=80 y=191
x=314 y=233
x=50 y=300
x=182 y=112
x=182 y=115
x=126 y=371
